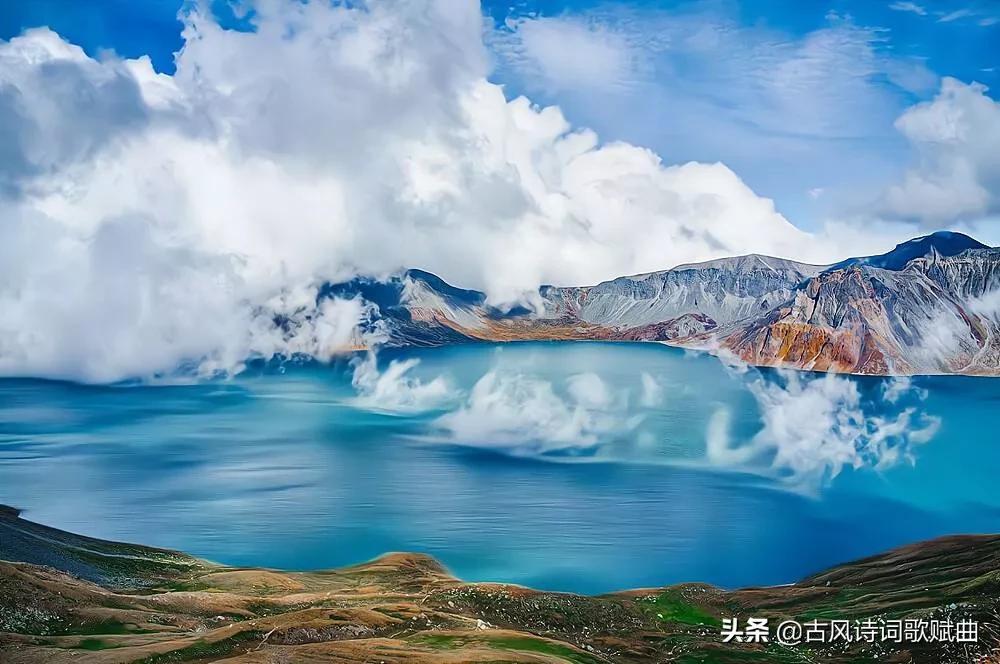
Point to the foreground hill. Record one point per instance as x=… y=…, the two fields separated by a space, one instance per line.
x=67 y=598
x=929 y=306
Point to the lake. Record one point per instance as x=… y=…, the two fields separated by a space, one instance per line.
x=586 y=467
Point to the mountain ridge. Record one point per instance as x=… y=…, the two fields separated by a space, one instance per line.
x=945 y=243
x=931 y=305
x=72 y=598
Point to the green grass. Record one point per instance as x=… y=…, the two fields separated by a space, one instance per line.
x=518 y=643
x=202 y=649
x=94 y=644
x=105 y=627
x=771 y=655
x=142 y=570
x=671 y=607
x=392 y=614
x=179 y=585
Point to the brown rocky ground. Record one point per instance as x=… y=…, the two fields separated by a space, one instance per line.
x=76 y=599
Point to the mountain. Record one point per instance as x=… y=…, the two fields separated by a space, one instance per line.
x=722 y=290
x=73 y=599
x=899 y=313
x=929 y=306
x=944 y=243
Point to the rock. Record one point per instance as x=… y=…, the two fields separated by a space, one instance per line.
x=932 y=305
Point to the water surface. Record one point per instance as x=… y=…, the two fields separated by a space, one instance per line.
x=566 y=466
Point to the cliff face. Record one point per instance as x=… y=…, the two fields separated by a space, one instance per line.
x=932 y=305
x=724 y=290
x=936 y=315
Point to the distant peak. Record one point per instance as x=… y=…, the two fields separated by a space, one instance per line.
x=442 y=287
x=944 y=243
x=747 y=262
x=947 y=240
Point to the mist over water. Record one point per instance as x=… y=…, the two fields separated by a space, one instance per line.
x=570 y=466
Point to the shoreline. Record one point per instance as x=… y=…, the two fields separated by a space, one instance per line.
x=67 y=597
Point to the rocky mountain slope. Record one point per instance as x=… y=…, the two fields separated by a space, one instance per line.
x=67 y=598
x=929 y=306
x=936 y=313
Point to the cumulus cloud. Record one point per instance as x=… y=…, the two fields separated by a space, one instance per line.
x=41 y=76
x=152 y=221
x=956 y=138
x=813 y=428
x=899 y=387
x=396 y=389
x=652 y=391
x=528 y=415
x=512 y=410
x=120 y=303
x=987 y=305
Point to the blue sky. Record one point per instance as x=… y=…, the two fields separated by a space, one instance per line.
x=820 y=144
x=949 y=35
x=799 y=98
x=499 y=147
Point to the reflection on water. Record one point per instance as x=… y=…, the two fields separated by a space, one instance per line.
x=565 y=466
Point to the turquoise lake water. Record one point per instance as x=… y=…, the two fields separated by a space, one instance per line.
x=585 y=467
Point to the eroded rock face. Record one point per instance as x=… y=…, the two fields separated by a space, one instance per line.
x=682 y=327
x=937 y=315
x=724 y=290
x=932 y=305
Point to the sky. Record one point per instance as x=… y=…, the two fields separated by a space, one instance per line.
x=799 y=98
x=174 y=177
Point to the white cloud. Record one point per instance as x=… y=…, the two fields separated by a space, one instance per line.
x=977 y=13
x=813 y=428
x=528 y=415
x=987 y=306
x=40 y=77
x=151 y=221
x=821 y=85
x=911 y=7
x=956 y=174
x=571 y=53
x=589 y=390
x=789 y=112
x=955 y=15
x=896 y=388
x=652 y=391
x=395 y=389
